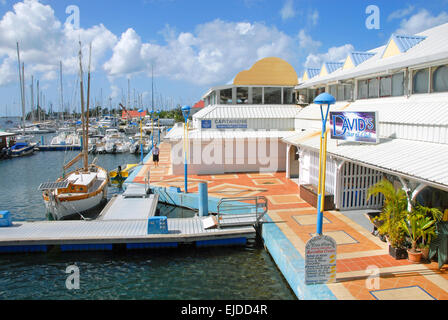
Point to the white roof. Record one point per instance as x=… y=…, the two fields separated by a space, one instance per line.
x=433 y=48
x=423 y=161
x=248 y=112
x=177 y=133
x=419 y=109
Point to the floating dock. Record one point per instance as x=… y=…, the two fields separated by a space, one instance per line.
x=124 y=223
x=58 y=148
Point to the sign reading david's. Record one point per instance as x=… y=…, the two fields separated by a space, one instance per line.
x=354 y=126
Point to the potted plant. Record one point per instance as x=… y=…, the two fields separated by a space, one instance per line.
x=420 y=224
x=389 y=222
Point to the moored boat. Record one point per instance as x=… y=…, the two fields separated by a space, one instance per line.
x=81 y=190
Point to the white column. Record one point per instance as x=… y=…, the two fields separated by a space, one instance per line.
x=288 y=166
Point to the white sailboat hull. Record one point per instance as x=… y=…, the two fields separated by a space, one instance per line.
x=63 y=209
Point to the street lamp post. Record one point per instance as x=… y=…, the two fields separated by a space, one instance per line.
x=186 y=114
x=141 y=136
x=322 y=99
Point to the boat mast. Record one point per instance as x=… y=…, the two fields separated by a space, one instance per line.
x=32 y=99
x=62 y=96
x=21 y=88
x=84 y=153
x=88 y=104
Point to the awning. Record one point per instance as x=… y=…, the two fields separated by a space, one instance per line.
x=416 y=160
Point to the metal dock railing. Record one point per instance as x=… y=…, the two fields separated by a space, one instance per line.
x=241 y=211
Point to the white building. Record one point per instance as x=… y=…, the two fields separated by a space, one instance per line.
x=406 y=83
x=242 y=125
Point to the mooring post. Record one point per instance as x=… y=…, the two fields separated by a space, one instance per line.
x=203 y=199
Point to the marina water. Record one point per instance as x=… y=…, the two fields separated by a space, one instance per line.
x=180 y=274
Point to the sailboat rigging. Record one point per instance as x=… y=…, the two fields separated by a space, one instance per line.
x=83 y=189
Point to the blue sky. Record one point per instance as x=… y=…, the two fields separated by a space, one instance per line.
x=191 y=44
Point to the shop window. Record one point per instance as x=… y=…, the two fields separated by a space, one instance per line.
x=288 y=96
x=420 y=83
x=272 y=95
x=440 y=79
x=242 y=95
x=386 y=86
x=226 y=96
x=348 y=92
x=398 y=84
x=257 y=95
x=363 y=89
x=334 y=91
x=373 y=88
x=340 y=96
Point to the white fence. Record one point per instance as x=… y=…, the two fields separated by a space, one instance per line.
x=355 y=181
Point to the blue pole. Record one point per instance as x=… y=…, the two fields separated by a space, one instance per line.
x=320 y=214
x=203 y=199
x=185 y=161
x=141 y=141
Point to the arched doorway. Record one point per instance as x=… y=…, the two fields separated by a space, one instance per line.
x=294 y=164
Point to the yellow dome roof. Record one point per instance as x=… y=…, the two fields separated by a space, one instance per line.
x=268 y=71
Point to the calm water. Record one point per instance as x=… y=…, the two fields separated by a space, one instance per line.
x=187 y=273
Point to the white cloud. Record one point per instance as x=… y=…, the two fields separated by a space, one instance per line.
x=306 y=42
x=287 y=11
x=421 y=21
x=44 y=41
x=334 y=54
x=212 y=54
x=313 y=17
x=401 y=13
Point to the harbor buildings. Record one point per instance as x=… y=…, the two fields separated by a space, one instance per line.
x=406 y=83
x=266 y=121
x=241 y=127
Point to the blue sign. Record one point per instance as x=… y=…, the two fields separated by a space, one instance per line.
x=354 y=126
x=231 y=123
x=206 y=124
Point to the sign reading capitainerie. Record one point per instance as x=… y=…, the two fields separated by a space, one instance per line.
x=224 y=124
x=320 y=260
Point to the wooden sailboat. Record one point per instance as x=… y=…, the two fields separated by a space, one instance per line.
x=83 y=189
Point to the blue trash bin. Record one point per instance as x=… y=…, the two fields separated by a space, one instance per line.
x=5 y=219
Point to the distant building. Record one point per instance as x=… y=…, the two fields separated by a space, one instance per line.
x=241 y=126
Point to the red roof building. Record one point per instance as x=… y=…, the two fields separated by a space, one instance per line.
x=132 y=114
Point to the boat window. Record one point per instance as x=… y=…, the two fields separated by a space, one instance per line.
x=242 y=95
x=257 y=95
x=226 y=96
x=440 y=79
x=421 y=81
x=272 y=95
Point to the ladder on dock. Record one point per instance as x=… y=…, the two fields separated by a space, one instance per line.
x=241 y=211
